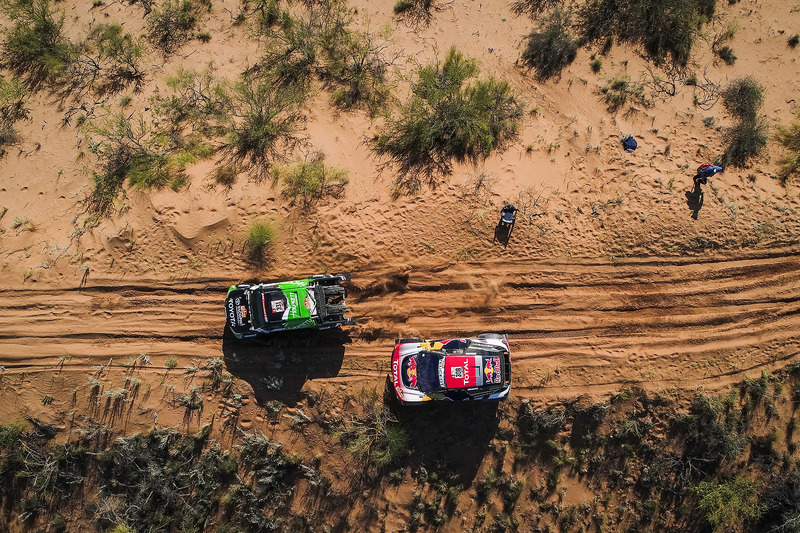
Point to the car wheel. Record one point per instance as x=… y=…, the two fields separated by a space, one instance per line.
x=324 y=279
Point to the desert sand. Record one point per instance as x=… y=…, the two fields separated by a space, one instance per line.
x=607 y=280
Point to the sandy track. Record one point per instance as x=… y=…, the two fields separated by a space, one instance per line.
x=576 y=326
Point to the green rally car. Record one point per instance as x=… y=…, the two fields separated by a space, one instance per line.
x=317 y=302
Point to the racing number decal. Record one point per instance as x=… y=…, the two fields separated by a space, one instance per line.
x=462 y=371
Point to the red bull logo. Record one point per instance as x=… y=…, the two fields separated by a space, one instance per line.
x=492 y=370
x=411 y=372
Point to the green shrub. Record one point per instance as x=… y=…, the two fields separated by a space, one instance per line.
x=450 y=116
x=35 y=48
x=596 y=65
x=745 y=140
x=356 y=64
x=726 y=505
x=551 y=46
x=790 y=139
x=726 y=54
x=171 y=23
x=533 y=8
x=620 y=90
x=120 y=55
x=171 y=362
x=402 y=6
x=12 y=109
x=375 y=435
x=10 y=434
x=415 y=11
x=260 y=236
x=311 y=180
x=708 y=439
x=225 y=175
x=743 y=98
x=666 y=28
x=290 y=61
x=140 y=153
x=265 y=121
x=199 y=100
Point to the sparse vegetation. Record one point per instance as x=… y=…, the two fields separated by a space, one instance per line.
x=450 y=117
x=551 y=47
x=358 y=66
x=375 y=434
x=793 y=41
x=12 y=109
x=135 y=151
x=416 y=12
x=170 y=24
x=35 y=48
x=746 y=139
x=266 y=119
x=311 y=180
x=260 y=236
x=620 y=90
x=726 y=505
x=726 y=54
x=225 y=175
x=790 y=140
x=110 y=61
x=666 y=29
x=743 y=98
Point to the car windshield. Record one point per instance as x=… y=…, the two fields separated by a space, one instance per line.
x=430 y=372
x=268 y=306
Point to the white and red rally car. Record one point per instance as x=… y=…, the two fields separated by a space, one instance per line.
x=476 y=368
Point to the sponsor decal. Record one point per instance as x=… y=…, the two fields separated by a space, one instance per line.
x=277 y=306
x=243 y=311
x=231 y=315
x=396 y=378
x=308 y=323
x=442 y=381
x=411 y=372
x=457 y=372
x=492 y=370
x=294 y=312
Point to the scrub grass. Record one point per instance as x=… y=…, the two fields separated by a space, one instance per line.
x=260 y=237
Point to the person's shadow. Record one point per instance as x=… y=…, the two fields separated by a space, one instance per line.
x=694 y=199
x=502 y=234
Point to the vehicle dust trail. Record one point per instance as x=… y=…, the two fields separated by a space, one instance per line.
x=576 y=326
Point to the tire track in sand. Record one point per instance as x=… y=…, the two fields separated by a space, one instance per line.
x=576 y=326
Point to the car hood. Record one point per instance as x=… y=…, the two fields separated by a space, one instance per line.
x=237 y=311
